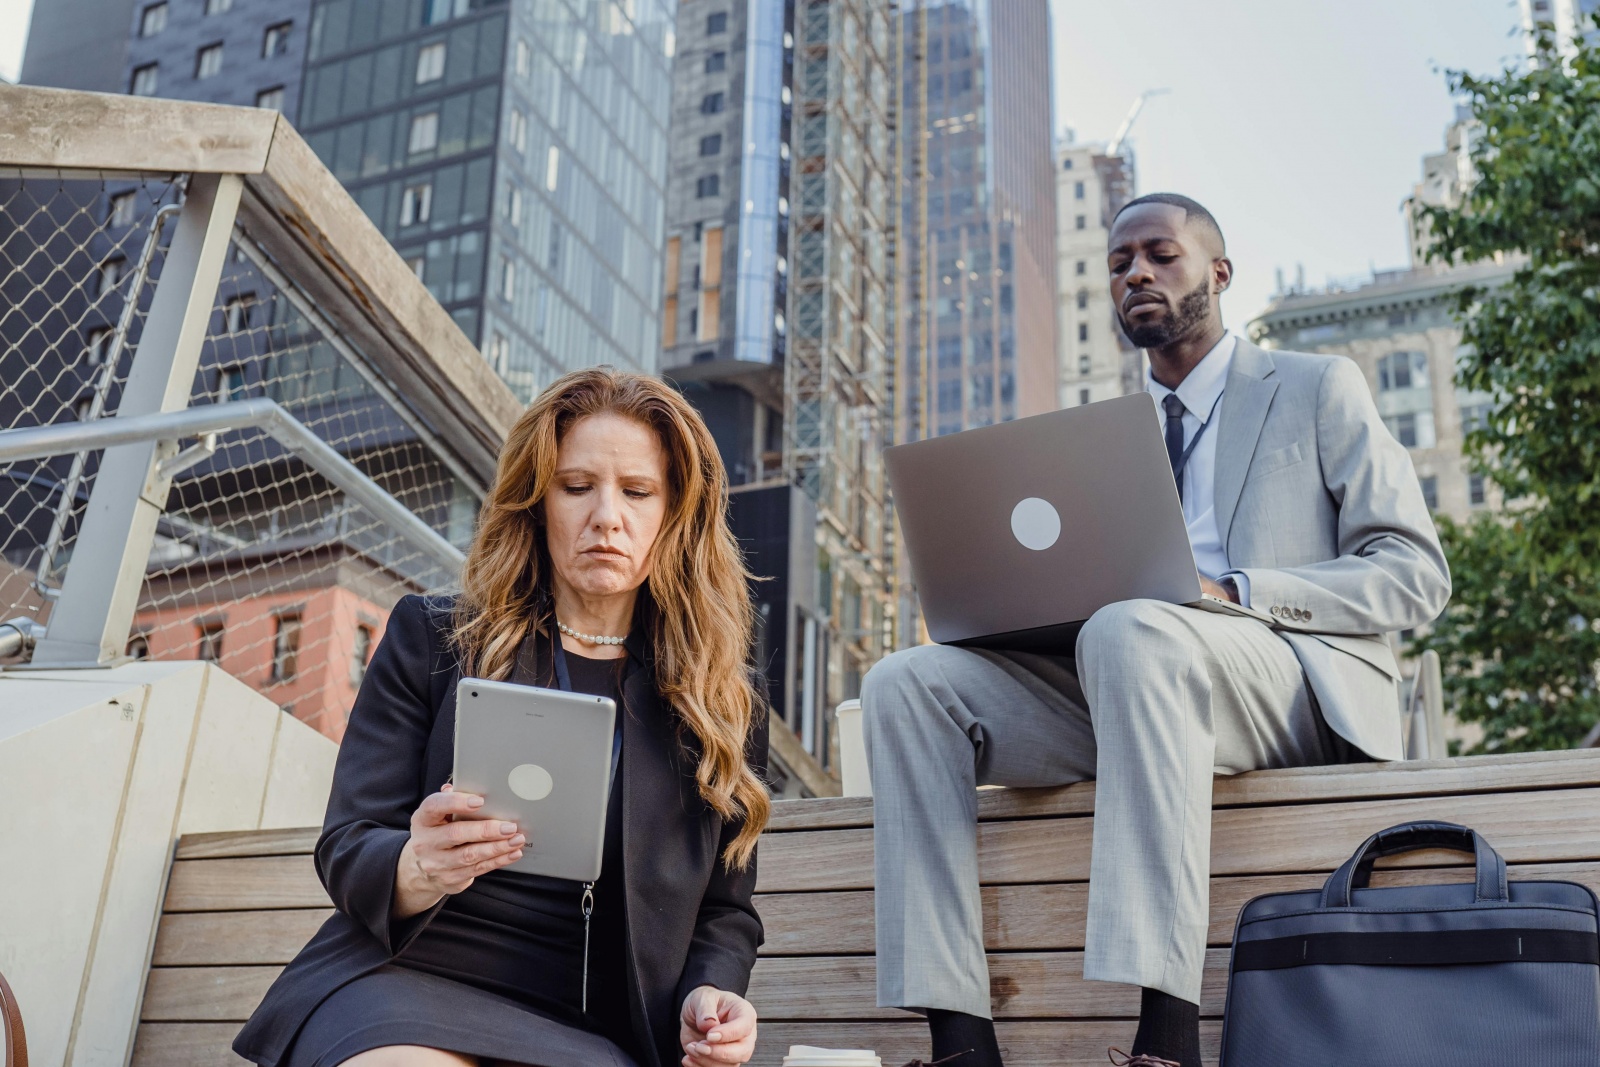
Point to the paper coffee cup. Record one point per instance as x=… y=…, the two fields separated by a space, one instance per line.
x=810 y=1056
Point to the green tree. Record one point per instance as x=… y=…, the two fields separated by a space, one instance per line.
x=1521 y=640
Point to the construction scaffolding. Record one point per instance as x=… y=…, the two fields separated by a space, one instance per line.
x=837 y=375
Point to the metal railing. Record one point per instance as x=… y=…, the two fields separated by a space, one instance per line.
x=233 y=425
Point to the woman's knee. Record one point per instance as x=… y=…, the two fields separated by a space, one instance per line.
x=408 y=1056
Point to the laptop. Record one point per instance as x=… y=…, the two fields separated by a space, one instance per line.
x=1017 y=533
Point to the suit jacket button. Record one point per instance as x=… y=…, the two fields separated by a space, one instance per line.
x=1274 y=611
x=1308 y=615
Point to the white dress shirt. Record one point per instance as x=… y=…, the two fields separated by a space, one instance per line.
x=1201 y=393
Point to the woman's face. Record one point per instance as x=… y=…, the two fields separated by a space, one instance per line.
x=606 y=505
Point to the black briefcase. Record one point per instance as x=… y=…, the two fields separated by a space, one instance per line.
x=1484 y=974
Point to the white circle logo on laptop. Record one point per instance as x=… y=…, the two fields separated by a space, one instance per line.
x=1035 y=523
x=530 y=781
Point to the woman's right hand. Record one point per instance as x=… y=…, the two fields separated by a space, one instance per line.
x=450 y=847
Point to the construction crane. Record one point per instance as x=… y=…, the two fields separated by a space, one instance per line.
x=1115 y=147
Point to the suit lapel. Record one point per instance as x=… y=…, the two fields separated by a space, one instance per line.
x=1251 y=385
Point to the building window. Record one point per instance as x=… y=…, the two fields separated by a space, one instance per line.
x=430 y=62
x=712 y=145
x=552 y=171
x=153 y=20
x=1077 y=190
x=275 y=42
x=1083 y=266
x=1475 y=491
x=1066 y=164
x=508 y=279
x=286 y=647
x=208 y=61
x=236 y=312
x=1474 y=417
x=145 y=79
x=218 y=7
x=1083 y=396
x=437 y=11
x=513 y=204
x=1402 y=370
x=139 y=646
x=712 y=103
x=1083 y=364
x=1083 y=299
x=1081 y=222
x=707 y=185
x=360 y=654
x=717 y=23
x=108 y=276
x=210 y=650
x=517 y=133
x=98 y=345
x=271 y=99
x=499 y=354
x=524 y=58
x=123 y=206
x=416 y=203
x=1083 y=331
x=424 y=133
x=1430 y=491
x=232 y=384
x=716 y=62
x=1412 y=429
x=419 y=266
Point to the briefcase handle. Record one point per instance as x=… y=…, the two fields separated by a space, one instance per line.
x=1356 y=871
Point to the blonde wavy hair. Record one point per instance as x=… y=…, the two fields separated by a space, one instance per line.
x=695 y=606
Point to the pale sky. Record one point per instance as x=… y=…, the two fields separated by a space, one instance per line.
x=1301 y=124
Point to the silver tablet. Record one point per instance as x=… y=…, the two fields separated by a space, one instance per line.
x=540 y=758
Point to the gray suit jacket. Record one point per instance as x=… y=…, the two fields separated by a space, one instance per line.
x=1319 y=507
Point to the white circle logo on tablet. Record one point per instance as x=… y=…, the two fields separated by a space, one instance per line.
x=530 y=781
x=1035 y=523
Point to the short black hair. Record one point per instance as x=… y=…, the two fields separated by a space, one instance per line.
x=1193 y=211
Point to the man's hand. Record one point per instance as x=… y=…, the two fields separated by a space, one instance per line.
x=716 y=1028
x=1220 y=590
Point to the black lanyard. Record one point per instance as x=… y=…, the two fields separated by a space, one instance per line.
x=1183 y=458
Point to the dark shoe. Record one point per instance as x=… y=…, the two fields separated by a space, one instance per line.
x=1138 y=1061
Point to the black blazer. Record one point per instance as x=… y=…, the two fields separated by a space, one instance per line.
x=690 y=921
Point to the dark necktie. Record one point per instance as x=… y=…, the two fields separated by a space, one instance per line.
x=1174 y=409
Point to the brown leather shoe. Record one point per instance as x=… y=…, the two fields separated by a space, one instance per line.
x=1140 y=1060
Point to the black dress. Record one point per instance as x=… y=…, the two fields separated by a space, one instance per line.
x=518 y=938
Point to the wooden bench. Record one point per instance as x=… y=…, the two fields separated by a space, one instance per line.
x=238 y=906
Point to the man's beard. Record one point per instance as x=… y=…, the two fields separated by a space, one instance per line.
x=1174 y=325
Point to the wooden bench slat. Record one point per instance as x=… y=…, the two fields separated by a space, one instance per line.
x=189 y=1045
x=1032 y=917
x=247 y=883
x=230 y=938
x=1534 y=827
x=1025 y=1044
x=1023 y=985
x=298 y=841
x=205 y=994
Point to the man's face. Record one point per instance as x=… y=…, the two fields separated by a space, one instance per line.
x=1166 y=275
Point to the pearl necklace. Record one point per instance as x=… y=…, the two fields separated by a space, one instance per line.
x=593 y=639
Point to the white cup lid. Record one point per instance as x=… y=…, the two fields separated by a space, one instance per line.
x=811 y=1056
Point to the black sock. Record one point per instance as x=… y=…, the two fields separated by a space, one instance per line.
x=1168 y=1028
x=955 y=1032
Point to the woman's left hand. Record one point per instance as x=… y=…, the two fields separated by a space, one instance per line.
x=716 y=1028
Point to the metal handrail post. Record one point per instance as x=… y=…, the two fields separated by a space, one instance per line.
x=99 y=595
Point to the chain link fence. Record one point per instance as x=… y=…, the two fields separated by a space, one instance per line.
x=259 y=563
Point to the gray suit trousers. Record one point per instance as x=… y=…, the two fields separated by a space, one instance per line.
x=1158 y=699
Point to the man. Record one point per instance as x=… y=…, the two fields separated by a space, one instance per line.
x=1299 y=504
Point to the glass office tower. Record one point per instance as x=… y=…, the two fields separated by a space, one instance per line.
x=514 y=152
x=978 y=216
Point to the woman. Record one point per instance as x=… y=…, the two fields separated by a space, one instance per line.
x=604 y=560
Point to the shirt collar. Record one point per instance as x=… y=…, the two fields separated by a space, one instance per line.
x=1201 y=390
